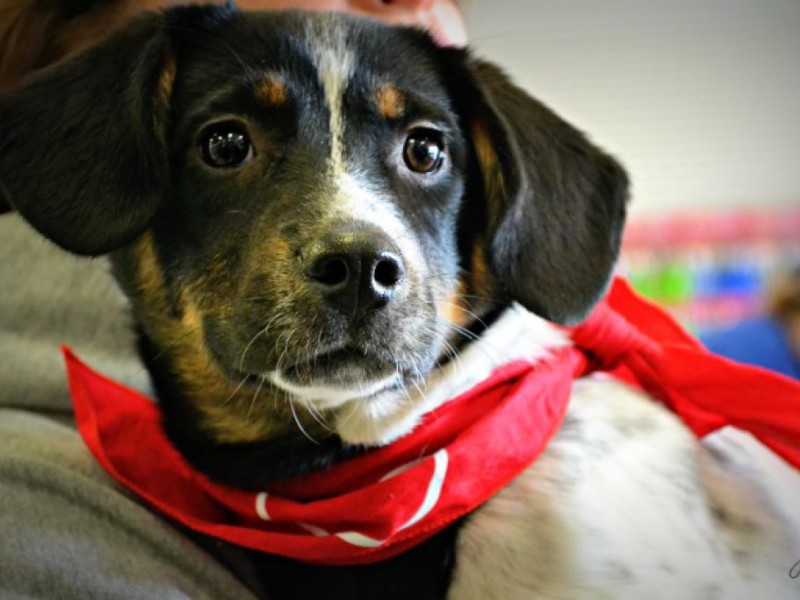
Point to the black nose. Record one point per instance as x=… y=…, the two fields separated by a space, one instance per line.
x=356 y=272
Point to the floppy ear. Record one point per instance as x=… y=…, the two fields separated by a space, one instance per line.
x=555 y=203
x=82 y=144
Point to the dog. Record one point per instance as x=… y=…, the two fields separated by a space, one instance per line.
x=325 y=227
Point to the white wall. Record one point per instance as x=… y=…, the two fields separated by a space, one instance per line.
x=699 y=98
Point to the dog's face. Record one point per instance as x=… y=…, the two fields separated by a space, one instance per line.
x=309 y=243
x=340 y=181
x=307 y=212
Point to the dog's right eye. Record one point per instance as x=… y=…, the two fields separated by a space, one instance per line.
x=226 y=146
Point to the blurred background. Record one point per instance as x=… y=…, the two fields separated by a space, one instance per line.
x=700 y=100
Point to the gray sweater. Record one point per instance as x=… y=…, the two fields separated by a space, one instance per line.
x=67 y=530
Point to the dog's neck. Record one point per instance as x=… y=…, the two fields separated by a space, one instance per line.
x=317 y=442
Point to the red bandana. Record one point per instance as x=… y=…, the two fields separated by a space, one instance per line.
x=389 y=499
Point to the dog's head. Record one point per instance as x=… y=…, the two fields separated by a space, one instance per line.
x=305 y=210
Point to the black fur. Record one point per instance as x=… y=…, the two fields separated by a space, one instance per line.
x=422 y=573
x=81 y=156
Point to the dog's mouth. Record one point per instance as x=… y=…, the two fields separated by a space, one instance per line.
x=333 y=377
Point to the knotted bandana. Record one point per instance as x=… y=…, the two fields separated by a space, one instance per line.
x=388 y=499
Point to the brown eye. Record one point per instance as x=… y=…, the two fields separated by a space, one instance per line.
x=424 y=151
x=226 y=146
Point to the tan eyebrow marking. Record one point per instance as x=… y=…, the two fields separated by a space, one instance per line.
x=390 y=101
x=271 y=91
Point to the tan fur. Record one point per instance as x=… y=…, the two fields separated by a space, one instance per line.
x=272 y=92
x=231 y=413
x=390 y=101
x=215 y=283
x=481 y=283
x=489 y=164
x=272 y=258
x=164 y=93
x=149 y=278
x=472 y=296
x=455 y=308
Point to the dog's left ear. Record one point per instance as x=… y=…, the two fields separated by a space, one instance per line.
x=555 y=204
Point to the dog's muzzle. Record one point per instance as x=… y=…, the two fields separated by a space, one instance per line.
x=358 y=285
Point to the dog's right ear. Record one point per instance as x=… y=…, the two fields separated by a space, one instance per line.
x=82 y=144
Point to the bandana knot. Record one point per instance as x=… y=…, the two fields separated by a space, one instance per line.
x=609 y=339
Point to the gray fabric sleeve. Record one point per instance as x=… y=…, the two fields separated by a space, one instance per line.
x=49 y=298
x=67 y=531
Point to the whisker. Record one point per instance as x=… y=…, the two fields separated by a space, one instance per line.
x=463 y=309
x=299 y=424
x=404 y=387
x=235 y=391
x=420 y=390
x=462 y=331
x=318 y=417
x=453 y=354
x=261 y=380
x=249 y=345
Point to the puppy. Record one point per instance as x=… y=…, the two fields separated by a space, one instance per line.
x=326 y=227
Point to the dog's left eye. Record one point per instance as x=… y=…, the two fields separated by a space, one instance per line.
x=424 y=151
x=226 y=146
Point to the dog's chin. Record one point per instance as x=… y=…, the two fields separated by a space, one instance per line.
x=323 y=394
x=332 y=379
x=367 y=412
x=363 y=397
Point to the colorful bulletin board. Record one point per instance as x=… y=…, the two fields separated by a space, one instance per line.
x=710 y=270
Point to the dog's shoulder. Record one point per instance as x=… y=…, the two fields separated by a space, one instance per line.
x=625 y=503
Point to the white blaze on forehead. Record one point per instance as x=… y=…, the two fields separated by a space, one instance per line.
x=354 y=199
x=328 y=45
